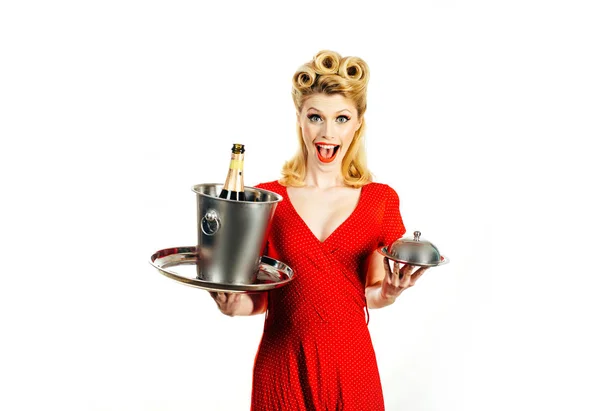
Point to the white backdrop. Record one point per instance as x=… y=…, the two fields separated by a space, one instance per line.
x=481 y=115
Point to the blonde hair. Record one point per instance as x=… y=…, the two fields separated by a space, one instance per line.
x=330 y=73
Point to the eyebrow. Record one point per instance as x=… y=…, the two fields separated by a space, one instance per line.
x=337 y=112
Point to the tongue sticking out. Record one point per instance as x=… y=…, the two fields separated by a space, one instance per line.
x=327 y=153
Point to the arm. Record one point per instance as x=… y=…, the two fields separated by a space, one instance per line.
x=383 y=285
x=234 y=304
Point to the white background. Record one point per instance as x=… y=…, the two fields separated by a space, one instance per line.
x=481 y=115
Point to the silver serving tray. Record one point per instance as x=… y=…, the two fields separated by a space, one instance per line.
x=271 y=273
x=384 y=251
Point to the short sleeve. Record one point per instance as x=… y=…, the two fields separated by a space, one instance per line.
x=392 y=227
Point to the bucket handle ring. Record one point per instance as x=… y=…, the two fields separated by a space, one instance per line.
x=211 y=223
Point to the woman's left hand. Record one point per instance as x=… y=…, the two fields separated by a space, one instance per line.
x=399 y=279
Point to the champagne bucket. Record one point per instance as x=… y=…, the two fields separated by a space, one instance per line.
x=232 y=234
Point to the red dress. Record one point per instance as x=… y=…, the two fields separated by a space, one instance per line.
x=316 y=351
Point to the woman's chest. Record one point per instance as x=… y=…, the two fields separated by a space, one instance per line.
x=324 y=212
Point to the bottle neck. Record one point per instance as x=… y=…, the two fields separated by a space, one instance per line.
x=235 y=176
x=237 y=162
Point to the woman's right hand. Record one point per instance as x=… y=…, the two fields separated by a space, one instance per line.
x=228 y=303
x=232 y=304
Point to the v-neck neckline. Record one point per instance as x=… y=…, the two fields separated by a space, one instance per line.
x=337 y=229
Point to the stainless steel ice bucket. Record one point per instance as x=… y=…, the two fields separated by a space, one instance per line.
x=232 y=234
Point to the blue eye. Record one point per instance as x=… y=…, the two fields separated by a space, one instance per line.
x=343 y=119
x=314 y=117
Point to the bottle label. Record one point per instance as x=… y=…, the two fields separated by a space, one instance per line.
x=236 y=164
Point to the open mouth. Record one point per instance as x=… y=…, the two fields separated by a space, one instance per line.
x=327 y=152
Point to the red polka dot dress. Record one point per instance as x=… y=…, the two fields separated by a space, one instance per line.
x=316 y=351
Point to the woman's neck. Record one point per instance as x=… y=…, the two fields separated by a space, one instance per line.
x=323 y=179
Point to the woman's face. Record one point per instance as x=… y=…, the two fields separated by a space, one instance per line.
x=328 y=124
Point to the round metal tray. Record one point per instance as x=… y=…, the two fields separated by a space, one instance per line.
x=443 y=260
x=271 y=273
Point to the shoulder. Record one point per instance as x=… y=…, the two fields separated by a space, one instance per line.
x=385 y=195
x=383 y=190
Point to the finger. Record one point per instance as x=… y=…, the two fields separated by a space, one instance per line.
x=417 y=274
x=222 y=297
x=397 y=268
x=406 y=270
x=217 y=298
x=406 y=274
x=233 y=298
x=386 y=266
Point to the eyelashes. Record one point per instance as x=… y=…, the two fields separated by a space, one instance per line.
x=316 y=118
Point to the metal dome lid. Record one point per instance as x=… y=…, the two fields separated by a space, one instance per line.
x=414 y=251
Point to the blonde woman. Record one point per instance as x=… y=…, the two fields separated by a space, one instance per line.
x=316 y=351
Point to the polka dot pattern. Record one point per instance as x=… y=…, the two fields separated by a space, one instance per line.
x=316 y=351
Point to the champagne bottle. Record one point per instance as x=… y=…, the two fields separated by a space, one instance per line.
x=233 y=189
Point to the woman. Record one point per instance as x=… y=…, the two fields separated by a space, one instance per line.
x=316 y=351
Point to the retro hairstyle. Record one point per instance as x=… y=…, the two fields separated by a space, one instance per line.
x=329 y=73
